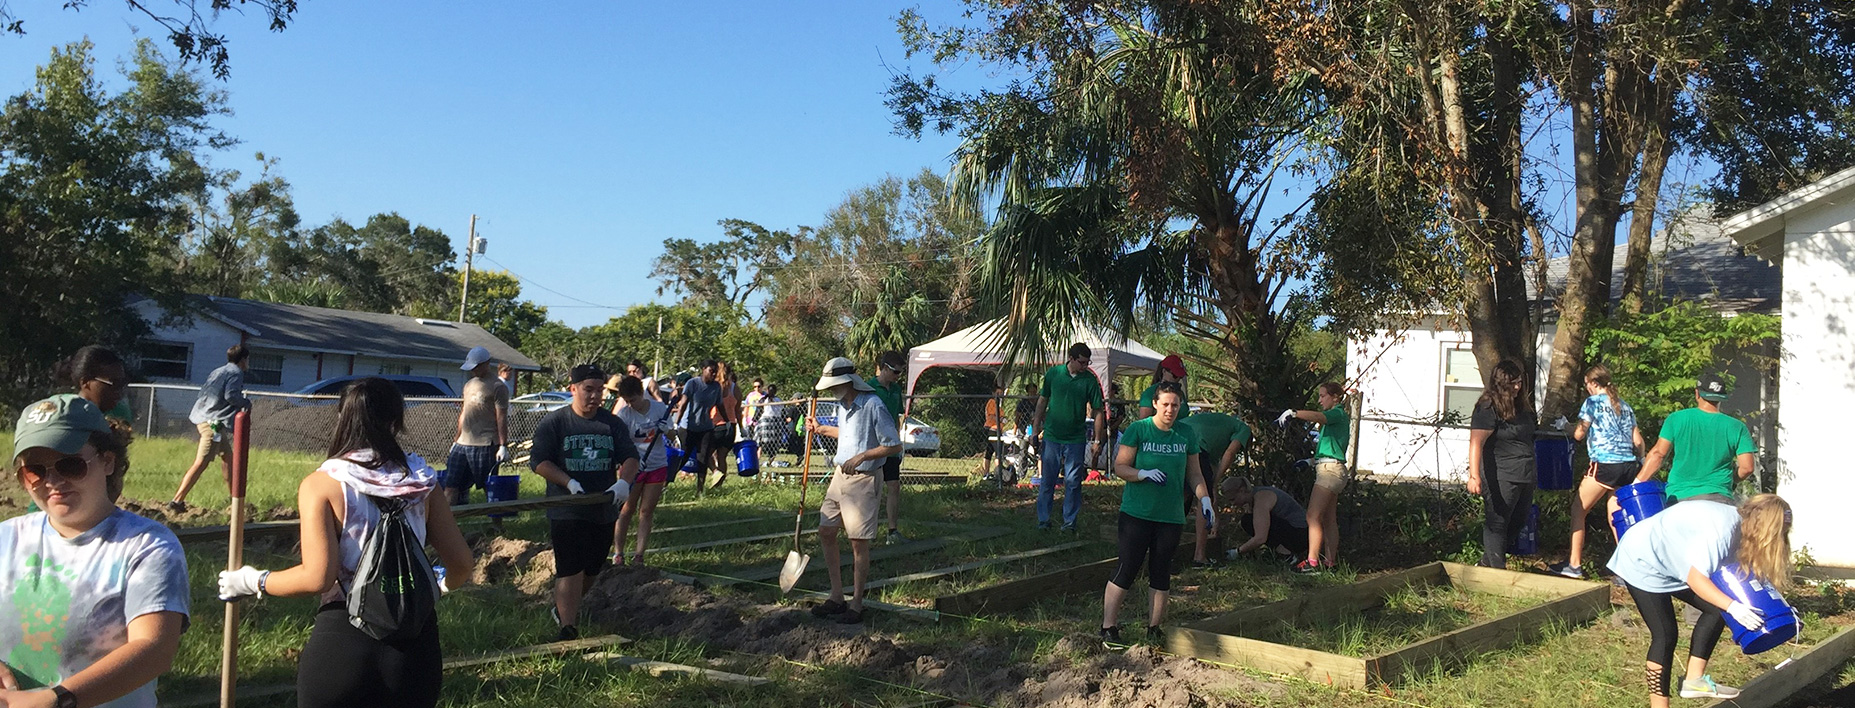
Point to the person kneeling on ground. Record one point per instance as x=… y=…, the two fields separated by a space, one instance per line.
x=866 y=435
x=1159 y=460
x=95 y=597
x=341 y=503
x=1673 y=555
x=579 y=449
x=1274 y=521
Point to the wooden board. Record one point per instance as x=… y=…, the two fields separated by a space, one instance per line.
x=1460 y=646
x=718 y=524
x=1776 y=686
x=1323 y=604
x=1316 y=666
x=1507 y=583
x=1014 y=594
x=975 y=565
x=730 y=541
x=663 y=668
x=771 y=572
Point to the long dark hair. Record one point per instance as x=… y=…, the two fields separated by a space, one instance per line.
x=1507 y=389
x=371 y=416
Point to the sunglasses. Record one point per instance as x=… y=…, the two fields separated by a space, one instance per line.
x=108 y=383
x=72 y=468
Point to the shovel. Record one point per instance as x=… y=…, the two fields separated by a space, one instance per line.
x=796 y=561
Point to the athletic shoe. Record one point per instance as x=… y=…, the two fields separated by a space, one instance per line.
x=177 y=506
x=1570 y=571
x=567 y=633
x=1154 y=635
x=829 y=608
x=618 y=559
x=1308 y=567
x=1704 y=687
x=1043 y=526
x=1111 y=637
x=1069 y=528
x=851 y=617
x=896 y=538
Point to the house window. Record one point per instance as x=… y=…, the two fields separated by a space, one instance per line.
x=264 y=370
x=166 y=360
x=390 y=369
x=1461 y=384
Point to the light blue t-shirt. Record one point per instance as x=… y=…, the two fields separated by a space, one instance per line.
x=1612 y=438
x=1655 y=555
x=865 y=424
x=699 y=399
x=66 y=602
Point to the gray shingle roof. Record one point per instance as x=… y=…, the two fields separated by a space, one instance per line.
x=368 y=333
x=1690 y=259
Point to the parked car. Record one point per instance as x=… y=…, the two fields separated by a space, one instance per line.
x=409 y=386
x=543 y=402
x=918 y=438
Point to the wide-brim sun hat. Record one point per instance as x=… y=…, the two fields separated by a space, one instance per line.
x=611 y=382
x=840 y=371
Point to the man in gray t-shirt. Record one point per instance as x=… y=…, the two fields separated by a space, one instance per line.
x=482 y=429
x=693 y=412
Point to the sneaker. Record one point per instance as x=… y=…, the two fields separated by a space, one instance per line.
x=1308 y=567
x=1154 y=635
x=1069 y=528
x=1111 y=637
x=1043 y=526
x=896 y=538
x=1704 y=687
x=567 y=633
x=829 y=608
x=177 y=506
x=1570 y=571
x=618 y=559
x=850 y=617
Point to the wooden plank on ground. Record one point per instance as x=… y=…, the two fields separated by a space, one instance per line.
x=975 y=565
x=868 y=604
x=719 y=524
x=1462 y=645
x=1322 y=604
x=771 y=572
x=730 y=541
x=1316 y=666
x=663 y=668
x=1775 y=687
x=1507 y=583
x=1014 y=594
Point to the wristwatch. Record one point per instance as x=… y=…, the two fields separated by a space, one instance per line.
x=66 y=699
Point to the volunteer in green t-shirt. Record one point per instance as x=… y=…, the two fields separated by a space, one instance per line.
x=1158 y=458
x=1171 y=369
x=1220 y=437
x=1329 y=477
x=888 y=384
x=1712 y=450
x=1069 y=397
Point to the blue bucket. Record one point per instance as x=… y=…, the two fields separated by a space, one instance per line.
x=502 y=488
x=1780 y=620
x=1527 y=542
x=1640 y=501
x=1552 y=458
x=747 y=458
x=1621 y=522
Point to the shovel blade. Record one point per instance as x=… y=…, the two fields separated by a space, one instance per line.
x=795 y=566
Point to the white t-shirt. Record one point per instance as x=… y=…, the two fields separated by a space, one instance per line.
x=1655 y=555
x=641 y=424
x=66 y=602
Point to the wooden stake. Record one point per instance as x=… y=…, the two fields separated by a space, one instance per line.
x=236 y=468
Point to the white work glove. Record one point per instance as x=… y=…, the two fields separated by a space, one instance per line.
x=1283 y=419
x=621 y=490
x=502 y=454
x=1154 y=476
x=1746 y=615
x=239 y=584
x=574 y=486
x=1210 y=516
x=1560 y=423
x=443 y=588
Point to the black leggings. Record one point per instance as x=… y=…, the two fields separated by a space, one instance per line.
x=1658 y=613
x=341 y=666
x=1146 y=541
x=1504 y=513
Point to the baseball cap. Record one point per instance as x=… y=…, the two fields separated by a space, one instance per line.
x=584 y=372
x=63 y=422
x=1713 y=388
x=1174 y=364
x=475 y=358
x=840 y=370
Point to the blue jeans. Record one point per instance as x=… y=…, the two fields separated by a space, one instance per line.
x=1068 y=457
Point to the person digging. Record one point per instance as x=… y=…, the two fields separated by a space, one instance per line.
x=866 y=435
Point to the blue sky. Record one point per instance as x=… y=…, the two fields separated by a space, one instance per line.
x=582 y=134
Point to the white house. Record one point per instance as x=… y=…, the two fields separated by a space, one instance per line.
x=1408 y=379
x=1810 y=233
x=293 y=346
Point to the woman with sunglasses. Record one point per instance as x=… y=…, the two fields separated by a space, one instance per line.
x=92 y=598
x=340 y=664
x=99 y=377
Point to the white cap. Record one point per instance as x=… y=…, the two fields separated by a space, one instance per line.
x=476 y=358
x=839 y=371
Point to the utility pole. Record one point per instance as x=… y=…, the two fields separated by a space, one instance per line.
x=470 y=251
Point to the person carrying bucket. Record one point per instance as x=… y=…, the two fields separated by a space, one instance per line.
x=1712 y=450
x=1608 y=427
x=866 y=435
x=1675 y=555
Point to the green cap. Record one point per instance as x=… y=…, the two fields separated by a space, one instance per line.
x=63 y=422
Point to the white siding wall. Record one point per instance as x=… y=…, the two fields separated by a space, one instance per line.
x=209 y=338
x=1817 y=380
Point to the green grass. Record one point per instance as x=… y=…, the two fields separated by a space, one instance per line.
x=1408 y=615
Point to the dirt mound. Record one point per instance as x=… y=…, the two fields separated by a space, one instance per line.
x=157 y=510
x=641 y=602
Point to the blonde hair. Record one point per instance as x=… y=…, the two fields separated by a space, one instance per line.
x=1600 y=375
x=1764 y=548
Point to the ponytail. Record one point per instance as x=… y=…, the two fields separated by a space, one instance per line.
x=1600 y=375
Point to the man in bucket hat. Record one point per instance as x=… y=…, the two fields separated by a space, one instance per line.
x=866 y=435
x=1712 y=450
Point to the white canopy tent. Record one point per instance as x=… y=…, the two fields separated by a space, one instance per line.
x=978 y=347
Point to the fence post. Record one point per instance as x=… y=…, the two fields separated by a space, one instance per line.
x=152 y=394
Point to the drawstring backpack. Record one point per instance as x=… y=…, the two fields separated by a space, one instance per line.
x=395 y=592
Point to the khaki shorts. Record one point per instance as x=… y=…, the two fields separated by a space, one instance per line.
x=852 y=503
x=1330 y=475
x=210 y=448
